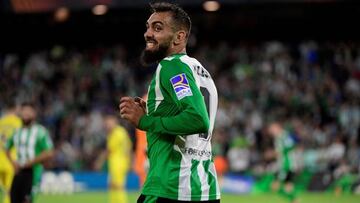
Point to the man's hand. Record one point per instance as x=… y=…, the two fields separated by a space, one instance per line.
x=16 y=166
x=40 y=159
x=131 y=110
x=140 y=102
x=28 y=164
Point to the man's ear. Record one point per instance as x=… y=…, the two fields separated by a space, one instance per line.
x=180 y=37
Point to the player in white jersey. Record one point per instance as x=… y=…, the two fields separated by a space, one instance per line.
x=33 y=147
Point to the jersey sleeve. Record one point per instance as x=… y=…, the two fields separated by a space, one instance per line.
x=45 y=142
x=10 y=142
x=177 y=79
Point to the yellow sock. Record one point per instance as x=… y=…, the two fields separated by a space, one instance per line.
x=118 y=196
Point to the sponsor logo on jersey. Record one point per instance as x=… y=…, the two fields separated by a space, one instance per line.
x=195 y=152
x=181 y=86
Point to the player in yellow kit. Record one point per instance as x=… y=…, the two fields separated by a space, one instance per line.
x=118 y=152
x=9 y=122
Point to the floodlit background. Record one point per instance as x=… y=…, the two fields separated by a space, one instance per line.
x=298 y=60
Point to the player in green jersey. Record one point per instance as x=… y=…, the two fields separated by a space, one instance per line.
x=284 y=144
x=178 y=116
x=33 y=147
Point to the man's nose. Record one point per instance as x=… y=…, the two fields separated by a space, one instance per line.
x=148 y=34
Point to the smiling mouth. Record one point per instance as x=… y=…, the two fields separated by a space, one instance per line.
x=150 y=44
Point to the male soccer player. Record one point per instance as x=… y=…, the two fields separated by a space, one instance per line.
x=284 y=144
x=118 y=153
x=179 y=115
x=9 y=122
x=33 y=147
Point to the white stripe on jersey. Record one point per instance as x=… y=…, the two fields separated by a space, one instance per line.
x=31 y=143
x=184 y=190
x=23 y=136
x=158 y=94
x=213 y=173
x=22 y=146
x=204 y=182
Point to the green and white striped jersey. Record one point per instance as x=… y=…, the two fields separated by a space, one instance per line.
x=181 y=109
x=29 y=143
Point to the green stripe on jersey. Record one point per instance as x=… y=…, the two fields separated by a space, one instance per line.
x=195 y=181
x=151 y=94
x=211 y=179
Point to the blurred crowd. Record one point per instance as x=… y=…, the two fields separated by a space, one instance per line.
x=312 y=87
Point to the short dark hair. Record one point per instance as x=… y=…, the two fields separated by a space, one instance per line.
x=29 y=104
x=180 y=17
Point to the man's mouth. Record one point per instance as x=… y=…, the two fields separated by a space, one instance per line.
x=150 y=44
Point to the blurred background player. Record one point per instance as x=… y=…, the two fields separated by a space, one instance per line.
x=33 y=147
x=284 y=144
x=118 y=153
x=9 y=123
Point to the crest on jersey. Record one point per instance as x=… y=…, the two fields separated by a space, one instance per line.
x=181 y=86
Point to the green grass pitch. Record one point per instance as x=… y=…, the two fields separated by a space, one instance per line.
x=101 y=197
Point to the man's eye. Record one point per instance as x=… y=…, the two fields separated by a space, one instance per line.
x=157 y=29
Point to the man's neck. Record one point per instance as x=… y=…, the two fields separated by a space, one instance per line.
x=177 y=51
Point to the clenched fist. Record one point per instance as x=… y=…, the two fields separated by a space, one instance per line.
x=132 y=109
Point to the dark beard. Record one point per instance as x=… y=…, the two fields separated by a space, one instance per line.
x=27 y=122
x=150 y=57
